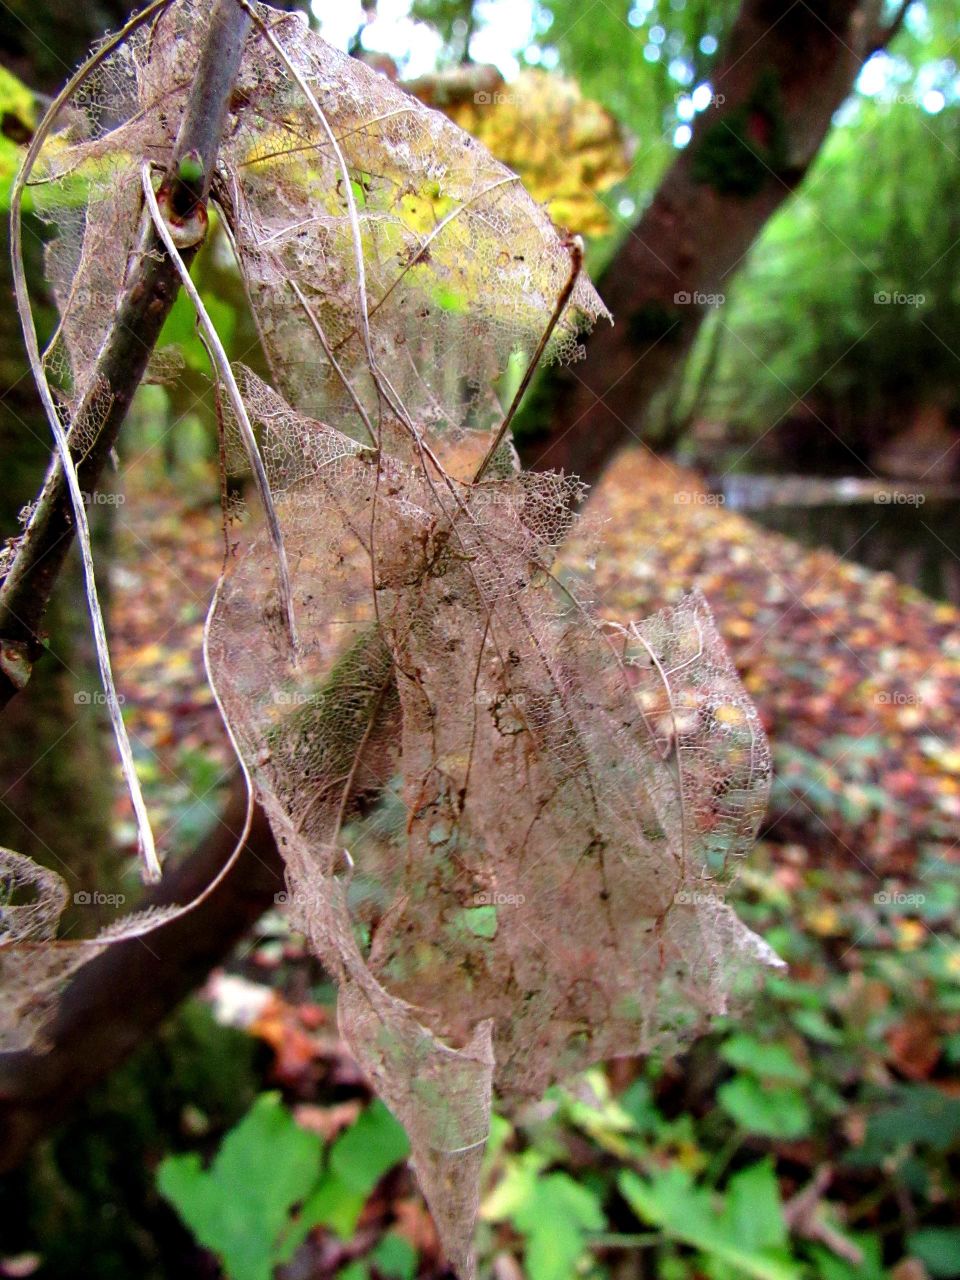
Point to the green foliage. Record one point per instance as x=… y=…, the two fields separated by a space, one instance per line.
x=638 y=60
x=938 y=1248
x=88 y=1191
x=454 y=19
x=768 y=1061
x=776 y=1111
x=704 y=1168
x=180 y=329
x=552 y=1212
x=395 y=1258
x=358 y=1160
x=765 y=1096
x=18 y=114
x=243 y=1207
x=917 y=1114
x=743 y=1228
x=851 y=303
x=240 y=1207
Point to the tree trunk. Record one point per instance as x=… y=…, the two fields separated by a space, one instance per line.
x=786 y=69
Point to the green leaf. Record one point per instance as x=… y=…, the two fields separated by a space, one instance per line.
x=637 y=1102
x=938 y=1248
x=481 y=921
x=555 y=1218
x=239 y=1207
x=395 y=1258
x=333 y=1204
x=179 y=328
x=17 y=100
x=602 y=1118
x=359 y=1158
x=357 y=1270
x=753 y=1212
x=18 y=111
x=814 y=1024
x=516 y=1187
x=769 y=1061
x=774 y=1111
x=696 y=1217
x=827 y=1266
x=923 y=1115
x=374 y=1143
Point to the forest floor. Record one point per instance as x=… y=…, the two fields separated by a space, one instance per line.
x=856 y=676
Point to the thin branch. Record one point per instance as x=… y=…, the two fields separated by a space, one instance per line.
x=141 y=312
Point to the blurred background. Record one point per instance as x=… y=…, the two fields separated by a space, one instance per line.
x=769 y=197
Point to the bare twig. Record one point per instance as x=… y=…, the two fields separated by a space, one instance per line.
x=802 y=1215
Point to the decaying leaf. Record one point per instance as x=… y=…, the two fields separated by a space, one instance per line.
x=35 y=964
x=507 y=826
x=507 y=829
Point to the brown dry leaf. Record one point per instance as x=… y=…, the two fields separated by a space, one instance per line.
x=327 y=1121
x=914 y=1045
x=540 y=883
